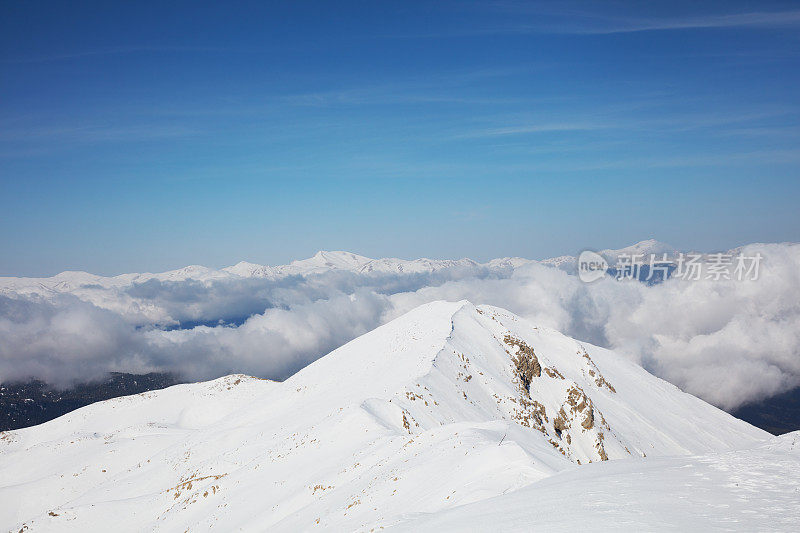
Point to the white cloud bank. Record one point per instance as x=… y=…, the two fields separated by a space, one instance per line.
x=728 y=342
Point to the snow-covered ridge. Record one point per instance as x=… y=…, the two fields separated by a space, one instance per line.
x=446 y=405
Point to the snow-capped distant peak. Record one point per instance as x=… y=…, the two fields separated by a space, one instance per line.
x=324 y=261
x=191 y=272
x=510 y=262
x=339 y=259
x=250 y=270
x=643 y=248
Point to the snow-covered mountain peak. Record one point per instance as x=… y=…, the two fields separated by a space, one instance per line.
x=445 y=405
x=446 y=363
x=323 y=261
x=339 y=258
x=644 y=248
x=250 y=270
x=188 y=272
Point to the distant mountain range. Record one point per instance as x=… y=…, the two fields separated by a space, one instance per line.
x=80 y=282
x=74 y=281
x=450 y=417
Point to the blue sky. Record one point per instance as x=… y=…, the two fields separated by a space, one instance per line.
x=142 y=137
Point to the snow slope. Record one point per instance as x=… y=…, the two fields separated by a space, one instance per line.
x=445 y=406
x=753 y=489
x=417 y=266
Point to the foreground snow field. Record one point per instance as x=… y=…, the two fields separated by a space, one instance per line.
x=450 y=417
x=754 y=489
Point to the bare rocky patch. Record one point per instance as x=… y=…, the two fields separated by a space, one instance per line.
x=576 y=418
x=525 y=361
x=578 y=414
x=594 y=372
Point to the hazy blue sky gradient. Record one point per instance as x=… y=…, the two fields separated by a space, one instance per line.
x=140 y=137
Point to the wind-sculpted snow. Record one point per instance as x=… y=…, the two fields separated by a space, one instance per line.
x=729 y=342
x=445 y=406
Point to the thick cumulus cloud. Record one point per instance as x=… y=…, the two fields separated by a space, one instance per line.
x=233 y=300
x=729 y=342
x=274 y=344
x=62 y=339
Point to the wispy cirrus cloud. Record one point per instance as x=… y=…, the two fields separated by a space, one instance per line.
x=94 y=133
x=103 y=51
x=734 y=20
x=629 y=118
x=558 y=18
x=545 y=127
